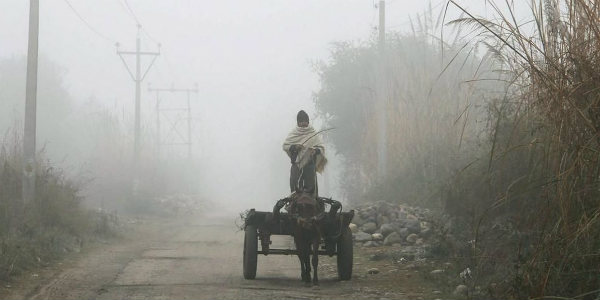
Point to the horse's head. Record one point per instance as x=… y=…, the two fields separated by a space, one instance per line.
x=306 y=210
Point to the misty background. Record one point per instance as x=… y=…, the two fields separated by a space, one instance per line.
x=492 y=110
x=253 y=62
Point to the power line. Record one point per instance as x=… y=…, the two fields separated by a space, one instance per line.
x=90 y=27
x=125 y=5
x=149 y=36
x=169 y=66
x=132 y=13
x=129 y=11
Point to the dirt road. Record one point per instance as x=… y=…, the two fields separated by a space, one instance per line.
x=194 y=258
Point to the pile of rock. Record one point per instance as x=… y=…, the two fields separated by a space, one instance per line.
x=387 y=224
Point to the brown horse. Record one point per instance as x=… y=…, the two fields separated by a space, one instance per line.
x=307 y=215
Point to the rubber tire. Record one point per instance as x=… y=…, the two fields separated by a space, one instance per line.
x=345 y=255
x=250 y=252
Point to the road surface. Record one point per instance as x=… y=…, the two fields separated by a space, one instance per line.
x=193 y=258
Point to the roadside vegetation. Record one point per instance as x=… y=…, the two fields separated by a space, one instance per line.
x=34 y=234
x=493 y=124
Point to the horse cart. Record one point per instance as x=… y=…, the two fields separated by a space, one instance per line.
x=334 y=234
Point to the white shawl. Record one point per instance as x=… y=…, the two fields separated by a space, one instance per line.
x=310 y=140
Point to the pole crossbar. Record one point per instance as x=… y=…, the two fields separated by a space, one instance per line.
x=138 y=53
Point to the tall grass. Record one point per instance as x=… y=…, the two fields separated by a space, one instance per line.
x=554 y=62
x=506 y=141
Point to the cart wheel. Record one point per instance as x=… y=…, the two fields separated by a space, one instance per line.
x=250 y=252
x=345 y=255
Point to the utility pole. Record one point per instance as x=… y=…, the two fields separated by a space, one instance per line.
x=29 y=136
x=382 y=95
x=189 y=124
x=188 y=109
x=137 y=78
x=381 y=24
x=157 y=120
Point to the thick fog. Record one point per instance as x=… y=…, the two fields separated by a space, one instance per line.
x=252 y=62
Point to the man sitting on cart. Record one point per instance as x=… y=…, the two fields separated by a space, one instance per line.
x=307 y=154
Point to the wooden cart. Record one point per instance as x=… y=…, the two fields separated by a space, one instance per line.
x=260 y=225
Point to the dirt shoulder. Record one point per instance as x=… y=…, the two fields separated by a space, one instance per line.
x=400 y=279
x=96 y=264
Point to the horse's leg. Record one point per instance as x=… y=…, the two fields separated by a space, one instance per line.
x=307 y=261
x=300 y=249
x=302 y=269
x=315 y=260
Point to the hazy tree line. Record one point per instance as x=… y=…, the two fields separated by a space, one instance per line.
x=84 y=174
x=495 y=125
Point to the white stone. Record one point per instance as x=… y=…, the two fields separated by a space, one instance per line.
x=377 y=236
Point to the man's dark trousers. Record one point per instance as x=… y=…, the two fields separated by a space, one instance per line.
x=303 y=179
